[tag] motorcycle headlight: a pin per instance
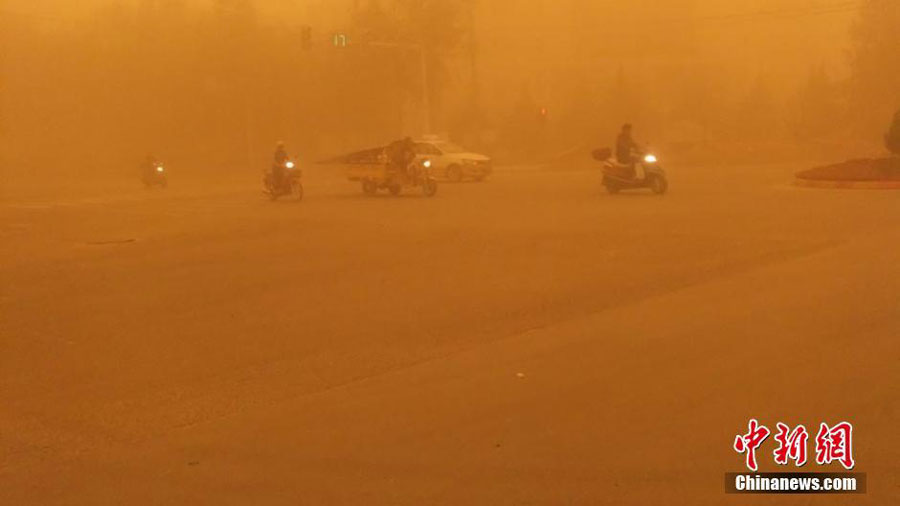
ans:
(289, 165)
(650, 158)
(427, 164)
(159, 169)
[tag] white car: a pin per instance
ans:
(452, 162)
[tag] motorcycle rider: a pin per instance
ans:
(626, 148)
(148, 165)
(400, 154)
(148, 168)
(278, 165)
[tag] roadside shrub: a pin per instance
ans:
(892, 138)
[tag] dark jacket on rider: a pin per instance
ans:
(281, 156)
(278, 162)
(624, 146)
(148, 166)
(401, 154)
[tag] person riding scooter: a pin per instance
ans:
(152, 172)
(620, 171)
(627, 151)
(148, 166)
(278, 165)
(284, 176)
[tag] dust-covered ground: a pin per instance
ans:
(528, 340)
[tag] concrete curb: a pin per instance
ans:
(847, 185)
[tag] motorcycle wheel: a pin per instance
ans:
(395, 189)
(271, 192)
(297, 190)
(429, 187)
(659, 185)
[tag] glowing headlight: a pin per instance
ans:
(650, 159)
(289, 165)
(427, 164)
(159, 169)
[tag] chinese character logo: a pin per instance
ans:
(751, 441)
(791, 445)
(835, 444)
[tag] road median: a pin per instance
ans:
(860, 174)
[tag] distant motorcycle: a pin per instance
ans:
(618, 176)
(290, 184)
(155, 176)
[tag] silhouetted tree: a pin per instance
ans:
(875, 82)
(817, 109)
(757, 115)
(892, 138)
(439, 27)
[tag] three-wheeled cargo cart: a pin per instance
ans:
(372, 170)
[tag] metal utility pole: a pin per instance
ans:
(426, 98)
(423, 63)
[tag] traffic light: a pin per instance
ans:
(340, 40)
(306, 37)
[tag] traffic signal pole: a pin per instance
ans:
(342, 41)
(426, 95)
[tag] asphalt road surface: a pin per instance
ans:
(525, 341)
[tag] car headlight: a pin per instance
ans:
(650, 158)
(427, 164)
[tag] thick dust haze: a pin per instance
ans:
(215, 83)
(534, 304)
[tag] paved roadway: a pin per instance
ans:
(529, 340)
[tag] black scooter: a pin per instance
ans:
(618, 176)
